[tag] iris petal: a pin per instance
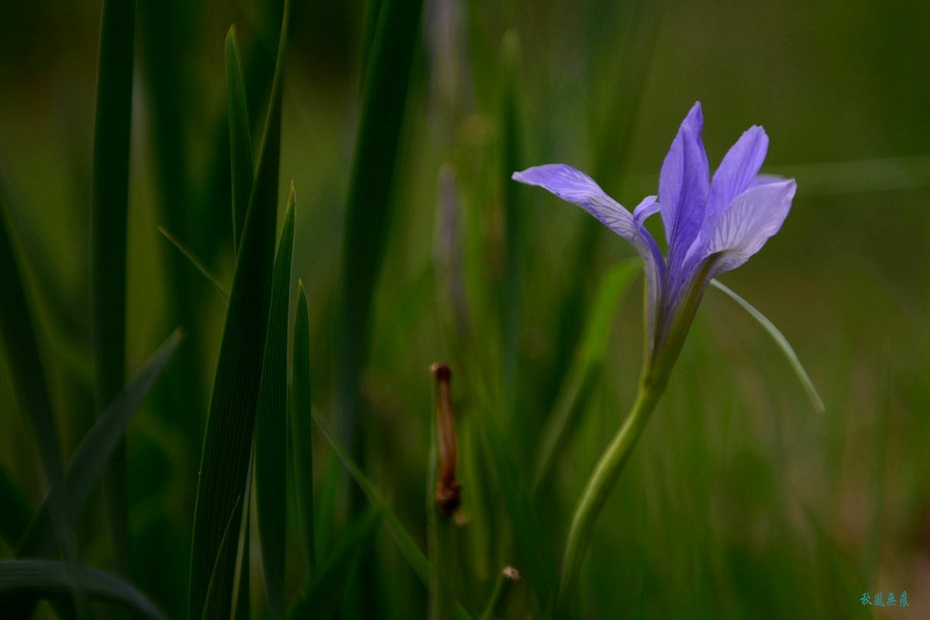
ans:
(738, 169)
(575, 186)
(645, 209)
(748, 222)
(683, 187)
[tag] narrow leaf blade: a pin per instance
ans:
(94, 452)
(240, 140)
(301, 427)
(401, 536)
(199, 266)
(782, 343)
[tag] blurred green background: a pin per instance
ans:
(741, 500)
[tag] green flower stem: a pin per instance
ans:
(671, 331)
(602, 482)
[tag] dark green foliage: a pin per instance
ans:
(227, 446)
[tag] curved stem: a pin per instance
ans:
(602, 482)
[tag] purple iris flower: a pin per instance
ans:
(711, 225)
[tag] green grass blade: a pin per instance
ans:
(271, 425)
(109, 208)
(301, 427)
(94, 452)
(219, 288)
(240, 139)
(782, 343)
(27, 374)
(585, 367)
(384, 96)
(227, 447)
(401, 536)
(326, 588)
(14, 518)
(43, 579)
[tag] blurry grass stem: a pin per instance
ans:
(109, 207)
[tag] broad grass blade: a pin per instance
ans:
(109, 208)
(45, 579)
(227, 448)
(271, 425)
(93, 453)
(240, 139)
(384, 96)
(301, 427)
(782, 343)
